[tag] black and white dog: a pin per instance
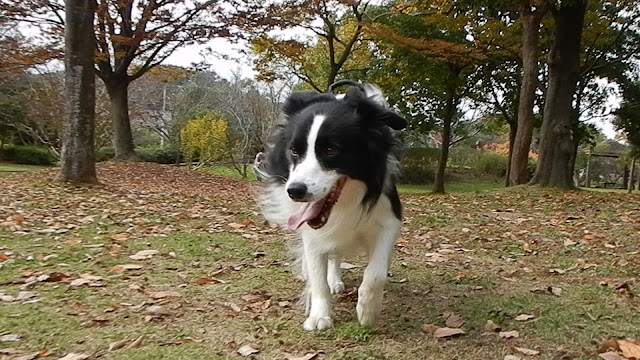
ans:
(330, 176)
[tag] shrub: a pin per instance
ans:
(27, 154)
(492, 164)
(418, 165)
(105, 154)
(157, 154)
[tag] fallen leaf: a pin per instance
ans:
(9, 338)
(454, 321)
(3, 257)
(9, 351)
(528, 352)
(164, 294)
(446, 332)
(79, 282)
(555, 290)
(118, 344)
(429, 328)
(110, 308)
(73, 356)
(512, 357)
(144, 254)
(203, 281)
(308, 356)
(629, 349)
(158, 310)
(509, 334)
(524, 317)
(237, 226)
(119, 269)
(611, 355)
(247, 222)
(28, 357)
(234, 307)
(120, 237)
(490, 326)
(246, 350)
(136, 343)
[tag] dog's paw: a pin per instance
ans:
(337, 288)
(368, 309)
(317, 323)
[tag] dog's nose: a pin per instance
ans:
(297, 191)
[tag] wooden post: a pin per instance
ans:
(587, 182)
(631, 175)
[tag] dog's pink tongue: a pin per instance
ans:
(306, 212)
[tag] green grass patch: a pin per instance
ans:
(228, 171)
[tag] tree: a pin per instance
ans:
(446, 50)
(205, 137)
(627, 117)
(557, 141)
(318, 60)
(530, 16)
(132, 37)
(77, 157)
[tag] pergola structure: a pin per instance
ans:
(615, 156)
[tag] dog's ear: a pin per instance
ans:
(374, 112)
(299, 100)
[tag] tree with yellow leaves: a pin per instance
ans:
(205, 138)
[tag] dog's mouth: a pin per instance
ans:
(316, 213)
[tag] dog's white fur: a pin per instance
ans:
(350, 227)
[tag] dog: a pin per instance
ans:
(330, 178)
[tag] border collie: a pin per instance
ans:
(330, 178)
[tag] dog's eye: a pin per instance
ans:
(294, 152)
(331, 151)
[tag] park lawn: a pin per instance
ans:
(221, 278)
(9, 168)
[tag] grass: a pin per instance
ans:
(8, 168)
(228, 172)
(495, 251)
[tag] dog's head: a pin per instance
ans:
(327, 140)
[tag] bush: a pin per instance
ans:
(157, 154)
(418, 165)
(27, 155)
(492, 164)
(105, 154)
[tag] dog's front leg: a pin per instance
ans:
(320, 296)
(375, 275)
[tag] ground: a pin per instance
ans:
(217, 277)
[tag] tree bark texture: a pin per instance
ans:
(518, 173)
(557, 142)
(77, 155)
(450, 111)
(118, 89)
(513, 130)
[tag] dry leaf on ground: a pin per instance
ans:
(446, 332)
(454, 321)
(611, 355)
(74, 356)
(629, 349)
(308, 356)
(524, 317)
(525, 351)
(492, 327)
(246, 350)
(509, 334)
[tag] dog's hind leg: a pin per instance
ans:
(375, 275)
(319, 292)
(334, 277)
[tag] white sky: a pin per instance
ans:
(236, 62)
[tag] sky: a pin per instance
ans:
(230, 60)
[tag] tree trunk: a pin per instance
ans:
(77, 156)
(513, 129)
(449, 113)
(519, 161)
(632, 169)
(557, 143)
(118, 89)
